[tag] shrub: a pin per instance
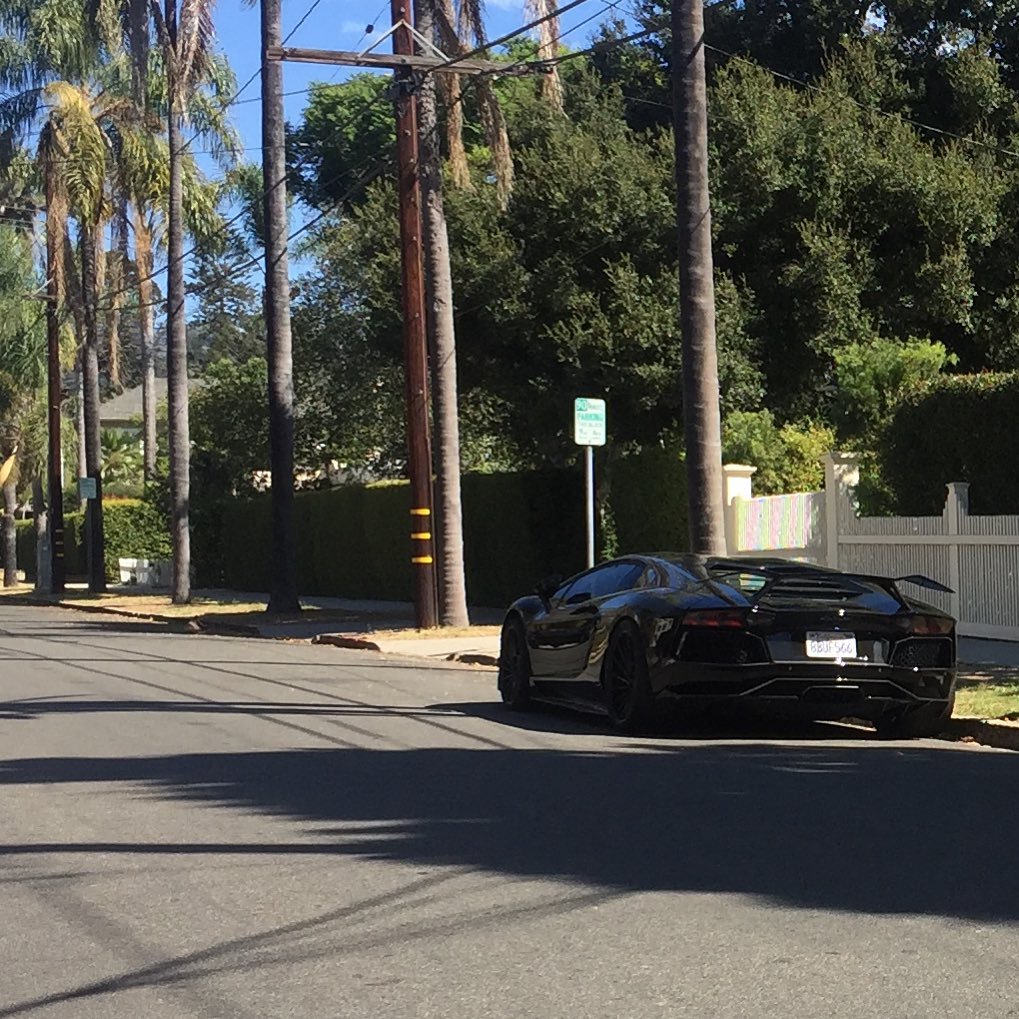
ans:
(960, 428)
(133, 529)
(648, 501)
(788, 458)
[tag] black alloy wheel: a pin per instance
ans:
(514, 666)
(628, 696)
(915, 723)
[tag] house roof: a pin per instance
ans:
(128, 404)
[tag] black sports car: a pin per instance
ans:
(775, 633)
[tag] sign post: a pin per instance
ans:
(589, 431)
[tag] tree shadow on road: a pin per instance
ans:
(868, 827)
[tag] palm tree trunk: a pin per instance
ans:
(40, 515)
(701, 423)
(143, 264)
(283, 573)
(79, 418)
(117, 269)
(177, 367)
(10, 535)
(439, 293)
(89, 239)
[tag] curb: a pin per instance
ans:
(473, 658)
(181, 623)
(986, 732)
(338, 640)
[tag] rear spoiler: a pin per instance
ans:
(922, 581)
(776, 570)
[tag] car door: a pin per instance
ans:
(561, 641)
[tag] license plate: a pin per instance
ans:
(821, 644)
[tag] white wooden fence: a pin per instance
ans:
(976, 556)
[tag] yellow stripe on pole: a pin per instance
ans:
(422, 536)
(422, 511)
(423, 560)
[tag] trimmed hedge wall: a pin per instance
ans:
(961, 428)
(74, 545)
(354, 541)
(133, 528)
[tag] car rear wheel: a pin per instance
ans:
(914, 723)
(628, 696)
(514, 666)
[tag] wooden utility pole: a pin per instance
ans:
(419, 439)
(701, 422)
(404, 62)
(283, 593)
(54, 396)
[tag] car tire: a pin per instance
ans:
(915, 723)
(629, 699)
(514, 666)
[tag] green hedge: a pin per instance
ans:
(74, 546)
(354, 541)
(961, 428)
(648, 502)
(132, 528)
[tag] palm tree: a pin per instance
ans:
(53, 48)
(701, 422)
(122, 462)
(442, 331)
(184, 30)
(23, 357)
(143, 178)
(436, 20)
(75, 150)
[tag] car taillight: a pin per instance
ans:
(729, 619)
(930, 626)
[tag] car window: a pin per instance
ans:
(603, 581)
(745, 583)
(656, 575)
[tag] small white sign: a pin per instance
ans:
(86, 488)
(588, 421)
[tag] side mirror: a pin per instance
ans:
(548, 587)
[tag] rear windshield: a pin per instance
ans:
(800, 585)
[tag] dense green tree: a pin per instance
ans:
(864, 228)
(568, 291)
(227, 323)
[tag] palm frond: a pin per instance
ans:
(497, 137)
(19, 112)
(548, 48)
(471, 22)
(459, 170)
(194, 44)
(84, 148)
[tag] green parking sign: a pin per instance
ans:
(588, 421)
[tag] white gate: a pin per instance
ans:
(976, 556)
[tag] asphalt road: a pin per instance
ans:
(199, 826)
